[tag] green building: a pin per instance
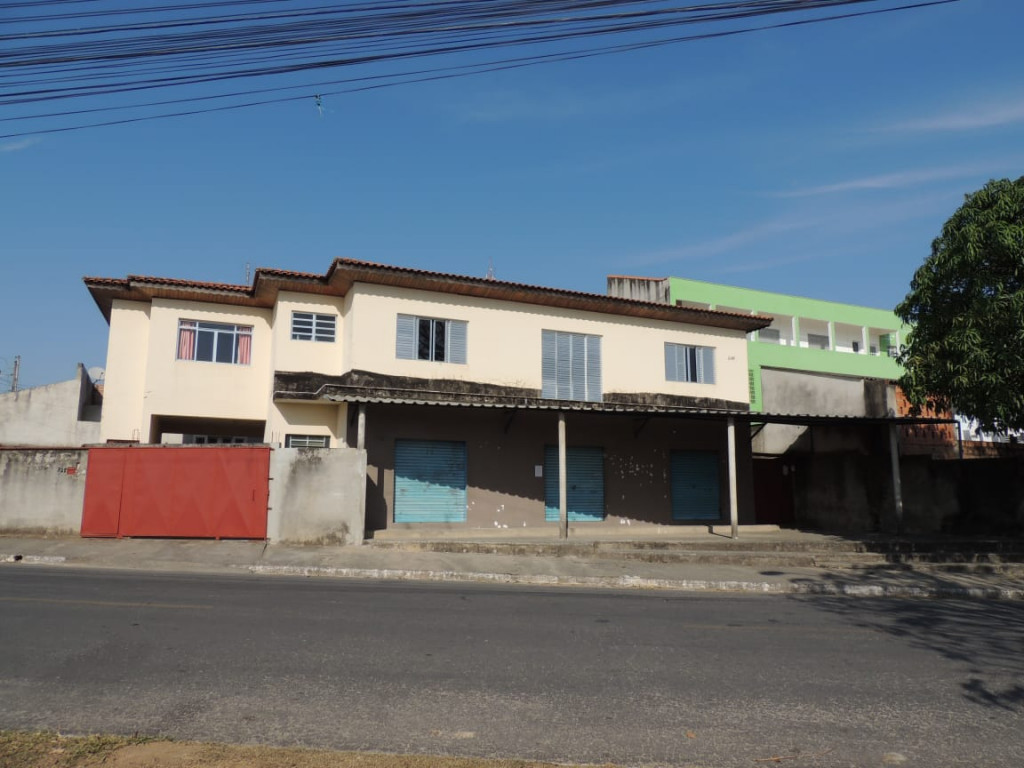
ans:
(807, 335)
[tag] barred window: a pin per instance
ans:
(307, 441)
(307, 326)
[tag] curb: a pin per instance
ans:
(637, 582)
(38, 559)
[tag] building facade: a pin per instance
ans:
(480, 403)
(806, 335)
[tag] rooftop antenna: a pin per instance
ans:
(14, 376)
(490, 268)
(248, 272)
(319, 104)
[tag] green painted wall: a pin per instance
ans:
(763, 354)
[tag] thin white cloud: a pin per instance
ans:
(727, 243)
(804, 228)
(17, 146)
(968, 118)
(902, 179)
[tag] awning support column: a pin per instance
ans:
(361, 427)
(734, 506)
(897, 485)
(563, 496)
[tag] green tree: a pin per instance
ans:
(966, 308)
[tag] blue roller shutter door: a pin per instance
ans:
(695, 485)
(430, 481)
(584, 480)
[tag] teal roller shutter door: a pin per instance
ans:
(430, 481)
(585, 481)
(695, 485)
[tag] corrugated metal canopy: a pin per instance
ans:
(648, 410)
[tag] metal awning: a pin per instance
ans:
(640, 409)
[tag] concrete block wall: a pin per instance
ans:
(852, 493)
(54, 415)
(42, 490)
(317, 496)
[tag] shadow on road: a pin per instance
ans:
(985, 636)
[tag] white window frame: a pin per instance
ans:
(445, 343)
(312, 326)
(689, 363)
(229, 337)
(307, 441)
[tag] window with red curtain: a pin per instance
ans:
(214, 342)
(186, 339)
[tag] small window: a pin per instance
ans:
(769, 335)
(430, 338)
(307, 441)
(689, 363)
(214, 342)
(307, 326)
(855, 345)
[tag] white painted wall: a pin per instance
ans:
(205, 389)
(300, 418)
(144, 378)
(124, 386)
(307, 356)
(504, 343)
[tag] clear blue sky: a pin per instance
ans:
(819, 161)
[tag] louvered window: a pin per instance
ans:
(689, 363)
(570, 366)
(430, 338)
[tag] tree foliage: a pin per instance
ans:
(966, 308)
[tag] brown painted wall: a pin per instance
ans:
(503, 449)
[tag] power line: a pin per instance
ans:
(126, 58)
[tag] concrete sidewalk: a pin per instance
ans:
(579, 569)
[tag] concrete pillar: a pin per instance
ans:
(563, 495)
(796, 331)
(832, 335)
(865, 335)
(897, 485)
(734, 506)
(361, 427)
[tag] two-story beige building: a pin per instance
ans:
(471, 396)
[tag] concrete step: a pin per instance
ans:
(804, 551)
(737, 553)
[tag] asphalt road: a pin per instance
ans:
(715, 681)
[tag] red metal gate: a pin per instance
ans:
(177, 492)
